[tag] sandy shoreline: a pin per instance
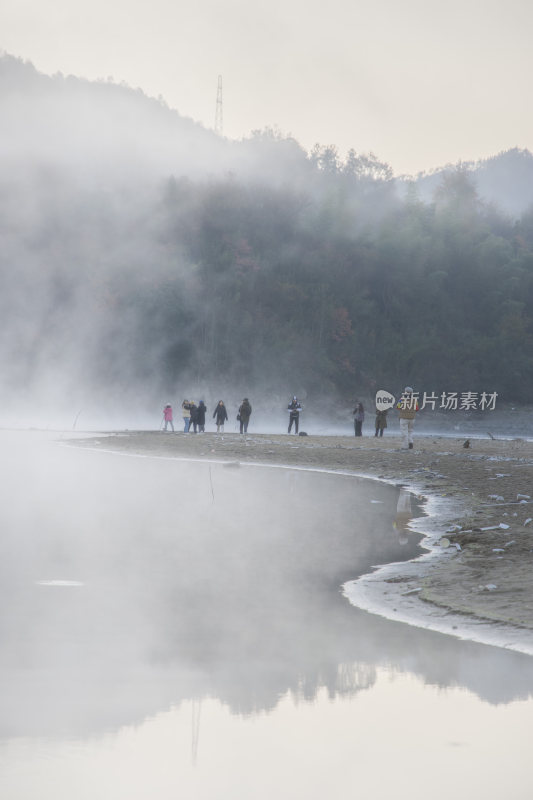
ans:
(482, 591)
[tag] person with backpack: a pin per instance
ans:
(245, 412)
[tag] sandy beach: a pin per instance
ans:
(475, 579)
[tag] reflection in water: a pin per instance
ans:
(404, 514)
(132, 586)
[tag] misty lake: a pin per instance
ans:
(176, 629)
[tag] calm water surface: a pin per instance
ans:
(173, 630)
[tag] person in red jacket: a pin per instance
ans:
(167, 415)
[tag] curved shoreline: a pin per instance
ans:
(395, 591)
(443, 589)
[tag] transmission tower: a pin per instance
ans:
(219, 127)
(196, 709)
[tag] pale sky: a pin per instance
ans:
(420, 83)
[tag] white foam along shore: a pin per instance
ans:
(392, 590)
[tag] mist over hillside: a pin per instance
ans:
(144, 258)
(505, 180)
(101, 133)
(96, 127)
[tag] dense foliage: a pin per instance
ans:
(295, 287)
(340, 289)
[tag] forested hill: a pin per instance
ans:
(261, 269)
(505, 180)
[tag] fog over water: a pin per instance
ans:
(179, 629)
(158, 605)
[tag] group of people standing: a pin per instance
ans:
(359, 418)
(407, 408)
(194, 416)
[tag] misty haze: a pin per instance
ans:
(143, 256)
(134, 589)
(176, 615)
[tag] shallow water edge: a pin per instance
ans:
(393, 591)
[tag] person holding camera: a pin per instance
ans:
(294, 409)
(186, 413)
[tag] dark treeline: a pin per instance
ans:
(340, 290)
(252, 285)
(287, 285)
(289, 271)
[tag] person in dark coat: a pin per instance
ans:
(381, 422)
(221, 415)
(194, 417)
(245, 412)
(358, 418)
(200, 416)
(294, 409)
